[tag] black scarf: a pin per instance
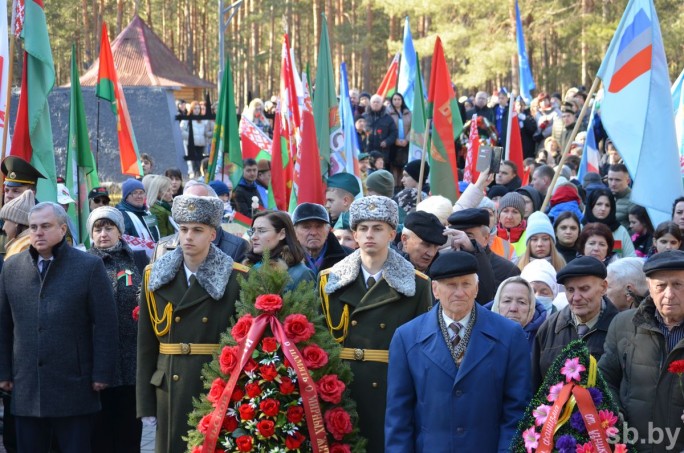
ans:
(611, 221)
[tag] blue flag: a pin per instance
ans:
(350, 155)
(637, 110)
(524, 72)
(407, 67)
(678, 104)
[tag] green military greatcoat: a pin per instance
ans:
(168, 380)
(364, 321)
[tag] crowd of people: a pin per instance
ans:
(450, 314)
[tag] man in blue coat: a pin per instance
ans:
(459, 376)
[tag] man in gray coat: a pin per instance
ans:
(58, 336)
(641, 345)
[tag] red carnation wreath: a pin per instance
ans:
(277, 383)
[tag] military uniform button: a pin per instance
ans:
(175, 377)
(205, 320)
(383, 325)
(177, 318)
(374, 385)
(354, 322)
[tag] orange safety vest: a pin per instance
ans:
(502, 248)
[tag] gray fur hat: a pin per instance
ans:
(376, 208)
(194, 209)
(106, 212)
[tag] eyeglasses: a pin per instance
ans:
(137, 193)
(100, 200)
(259, 231)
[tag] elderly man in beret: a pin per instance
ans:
(187, 300)
(421, 239)
(312, 227)
(641, 345)
(474, 223)
(365, 297)
(459, 376)
(587, 315)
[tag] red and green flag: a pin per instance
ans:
(307, 181)
(325, 105)
(446, 124)
(81, 172)
(32, 138)
(226, 140)
(109, 89)
(389, 83)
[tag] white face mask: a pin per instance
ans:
(546, 301)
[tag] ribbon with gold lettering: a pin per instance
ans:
(591, 419)
(307, 387)
(548, 430)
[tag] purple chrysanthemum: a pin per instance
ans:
(596, 395)
(577, 422)
(566, 444)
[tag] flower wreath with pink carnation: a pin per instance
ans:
(277, 383)
(573, 410)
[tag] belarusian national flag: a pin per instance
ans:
(255, 143)
(389, 83)
(109, 88)
(443, 110)
(32, 131)
(81, 172)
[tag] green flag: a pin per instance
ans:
(327, 119)
(81, 172)
(226, 140)
(418, 117)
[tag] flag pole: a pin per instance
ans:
(9, 97)
(97, 136)
(564, 156)
(423, 156)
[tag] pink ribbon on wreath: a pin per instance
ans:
(307, 387)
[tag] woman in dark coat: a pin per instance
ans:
(116, 427)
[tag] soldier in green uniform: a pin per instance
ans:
(187, 300)
(20, 176)
(365, 298)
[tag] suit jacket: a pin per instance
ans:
(57, 336)
(435, 406)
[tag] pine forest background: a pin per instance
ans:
(566, 39)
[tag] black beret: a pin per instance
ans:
(469, 218)
(580, 267)
(453, 264)
(672, 260)
(427, 226)
(310, 211)
(497, 191)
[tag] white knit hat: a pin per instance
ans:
(541, 271)
(17, 210)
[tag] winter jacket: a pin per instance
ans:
(162, 211)
(145, 227)
(635, 366)
(242, 196)
(125, 278)
(381, 128)
(558, 330)
(334, 253)
(622, 207)
(501, 267)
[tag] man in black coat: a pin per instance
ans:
(475, 224)
(382, 131)
(58, 335)
(246, 189)
(312, 226)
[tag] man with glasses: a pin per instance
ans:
(98, 197)
(58, 334)
(138, 221)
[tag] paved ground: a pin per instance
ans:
(146, 445)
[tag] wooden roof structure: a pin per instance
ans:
(142, 59)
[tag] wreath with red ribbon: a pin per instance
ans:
(277, 383)
(573, 411)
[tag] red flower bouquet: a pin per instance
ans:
(277, 383)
